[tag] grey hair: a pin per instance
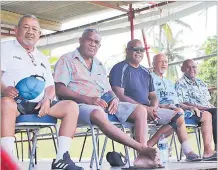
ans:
(90, 30)
(154, 58)
(26, 16)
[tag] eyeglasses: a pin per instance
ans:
(32, 58)
(137, 49)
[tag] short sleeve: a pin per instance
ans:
(5, 55)
(49, 79)
(115, 77)
(62, 71)
(151, 84)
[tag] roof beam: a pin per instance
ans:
(13, 18)
(71, 37)
(105, 4)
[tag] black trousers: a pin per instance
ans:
(213, 111)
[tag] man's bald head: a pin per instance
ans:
(135, 52)
(189, 68)
(133, 42)
(187, 62)
(160, 64)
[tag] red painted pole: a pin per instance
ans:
(146, 47)
(131, 17)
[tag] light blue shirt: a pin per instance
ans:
(165, 90)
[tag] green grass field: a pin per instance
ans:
(45, 148)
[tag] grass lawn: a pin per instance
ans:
(45, 148)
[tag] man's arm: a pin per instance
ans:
(120, 94)
(3, 86)
(66, 93)
(153, 99)
(197, 106)
(8, 91)
(49, 92)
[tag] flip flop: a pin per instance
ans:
(192, 158)
(211, 158)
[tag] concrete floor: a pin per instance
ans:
(173, 165)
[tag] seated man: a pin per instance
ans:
(194, 92)
(79, 76)
(133, 83)
(167, 95)
(21, 59)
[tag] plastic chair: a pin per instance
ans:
(33, 123)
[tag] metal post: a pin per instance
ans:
(131, 16)
(146, 47)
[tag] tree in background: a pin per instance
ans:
(172, 45)
(208, 68)
(52, 59)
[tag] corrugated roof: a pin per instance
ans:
(57, 11)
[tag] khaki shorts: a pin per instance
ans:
(125, 109)
(165, 116)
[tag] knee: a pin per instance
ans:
(70, 107)
(180, 120)
(206, 116)
(8, 101)
(179, 110)
(141, 112)
(177, 121)
(97, 114)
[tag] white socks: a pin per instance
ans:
(186, 147)
(8, 144)
(63, 146)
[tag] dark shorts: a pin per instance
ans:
(194, 120)
(27, 107)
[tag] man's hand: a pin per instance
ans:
(44, 106)
(196, 110)
(98, 102)
(152, 113)
(112, 109)
(10, 92)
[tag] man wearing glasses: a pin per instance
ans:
(21, 59)
(81, 77)
(133, 83)
(194, 92)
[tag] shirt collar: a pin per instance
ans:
(18, 44)
(189, 81)
(81, 59)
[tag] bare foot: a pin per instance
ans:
(152, 153)
(145, 162)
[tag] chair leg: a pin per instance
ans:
(29, 142)
(84, 142)
(16, 147)
(94, 141)
(126, 148)
(198, 143)
(174, 139)
(103, 150)
(31, 164)
(132, 136)
(199, 136)
(93, 153)
(21, 135)
(53, 138)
